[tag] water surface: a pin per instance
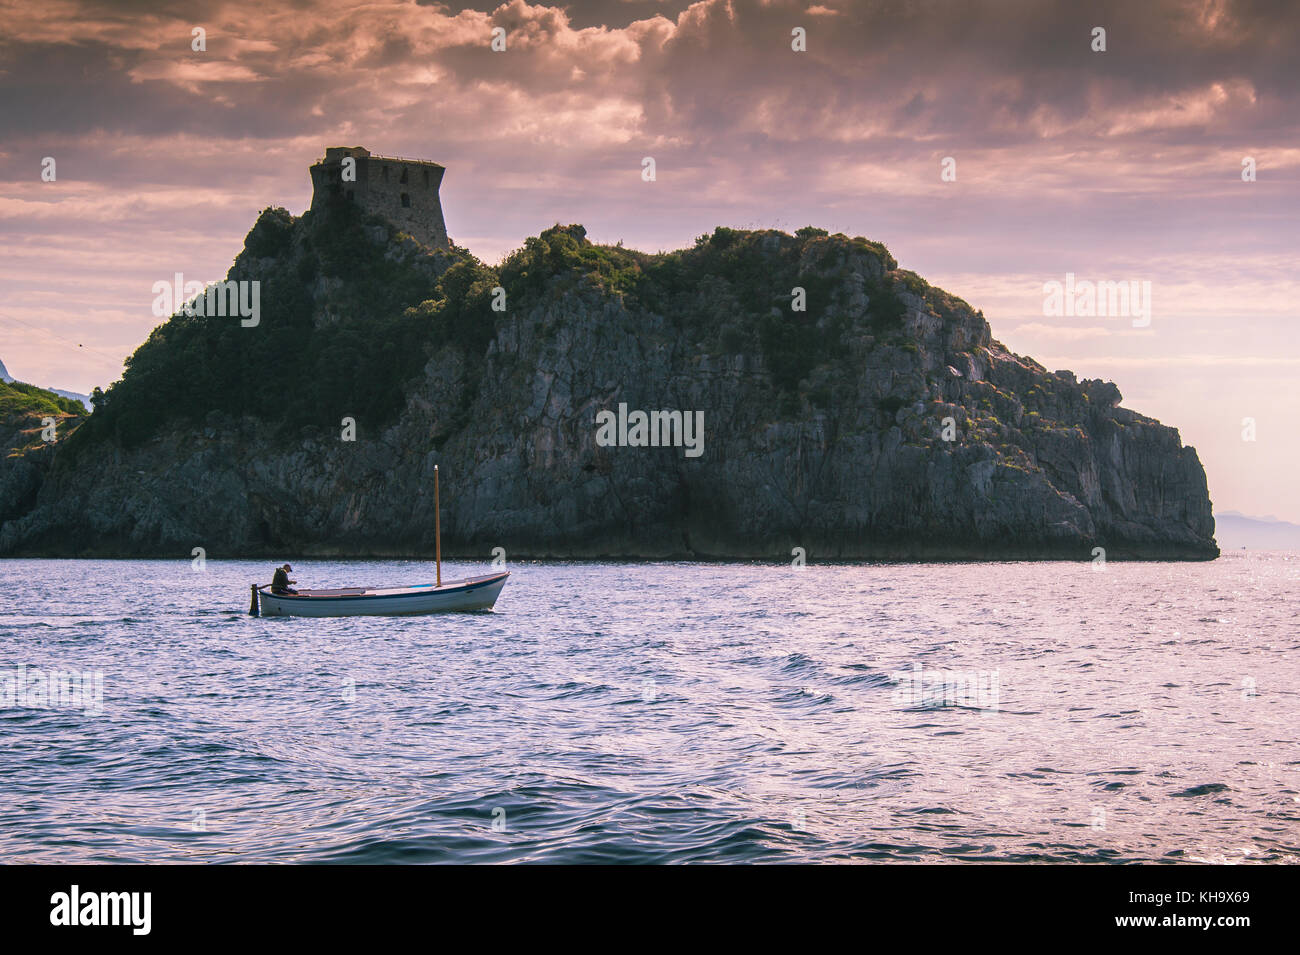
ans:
(662, 713)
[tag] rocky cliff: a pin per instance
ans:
(848, 408)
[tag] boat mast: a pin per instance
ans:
(437, 527)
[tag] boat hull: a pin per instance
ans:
(474, 593)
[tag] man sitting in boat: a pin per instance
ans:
(280, 582)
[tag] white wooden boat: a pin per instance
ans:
(472, 593)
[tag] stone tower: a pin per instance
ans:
(403, 191)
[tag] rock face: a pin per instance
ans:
(881, 421)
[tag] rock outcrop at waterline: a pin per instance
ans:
(882, 421)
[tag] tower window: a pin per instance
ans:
(403, 179)
(406, 200)
(426, 179)
(385, 168)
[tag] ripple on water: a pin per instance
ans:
(635, 713)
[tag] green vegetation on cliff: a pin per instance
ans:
(23, 409)
(733, 293)
(298, 366)
(19, 399)
(393, 304)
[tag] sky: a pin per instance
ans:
(991, 146)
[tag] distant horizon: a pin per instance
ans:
(1126, 165)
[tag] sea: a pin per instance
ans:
(656, 713)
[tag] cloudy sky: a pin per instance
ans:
(1122, 165)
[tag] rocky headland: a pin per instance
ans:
(880, 420)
